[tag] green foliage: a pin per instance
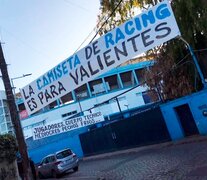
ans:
(124, 11)
(8, 148)
(191, 16)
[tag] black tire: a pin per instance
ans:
(54, 174)
(40, 175)
(75, 168)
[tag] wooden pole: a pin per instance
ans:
(15, 118)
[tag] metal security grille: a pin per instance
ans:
(142, 129)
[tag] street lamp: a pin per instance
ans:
(19, 77)
(13, 87)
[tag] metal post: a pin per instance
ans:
(81, 110)
(14, 93)
(159, 93)
(119, 107)
(195, 61)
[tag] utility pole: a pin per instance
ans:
(15, 117)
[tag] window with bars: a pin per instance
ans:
(140, 75)
(150, 96)
(66, 98)
(128, 79)
(112, 82)
(82, 92)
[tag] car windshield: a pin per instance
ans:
(63, 154)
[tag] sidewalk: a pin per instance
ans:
(192, 139)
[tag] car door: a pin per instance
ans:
(51, 164)
(43, 167)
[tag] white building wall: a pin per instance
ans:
(127, 101)
(5, 119)
(2, 95)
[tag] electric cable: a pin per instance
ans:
(77, 5)
(106, 20)
(200, 50)
(178, 64)
(99, 28)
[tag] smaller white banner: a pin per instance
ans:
(66, 125)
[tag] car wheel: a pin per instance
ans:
(54, 174)
(75, 168)
(40, 175)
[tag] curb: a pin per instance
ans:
(188, 140)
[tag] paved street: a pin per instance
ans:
(184, 160)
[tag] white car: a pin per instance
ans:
(55, 164)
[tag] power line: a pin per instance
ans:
(200, 50)
(106, 20)
(25, 43)
(99, 28)
(77, 5)
(84, 40)
(182, 59)
(143, 83)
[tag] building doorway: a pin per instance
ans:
(186, 120)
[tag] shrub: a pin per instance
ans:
(8, 148)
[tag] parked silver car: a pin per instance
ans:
(55, 164)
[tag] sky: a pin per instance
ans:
(36, 35)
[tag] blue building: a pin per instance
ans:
(186, 116)
(176, 119)
(85, 99)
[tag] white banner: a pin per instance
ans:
(135, 36)
(66, 125)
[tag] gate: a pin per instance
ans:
(142, 129)
(186, 120)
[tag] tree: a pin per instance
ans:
(191, 17)
(120, 11)
(182, 79)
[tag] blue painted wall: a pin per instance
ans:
(40, 148)
(197, 103)
(172, 123)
